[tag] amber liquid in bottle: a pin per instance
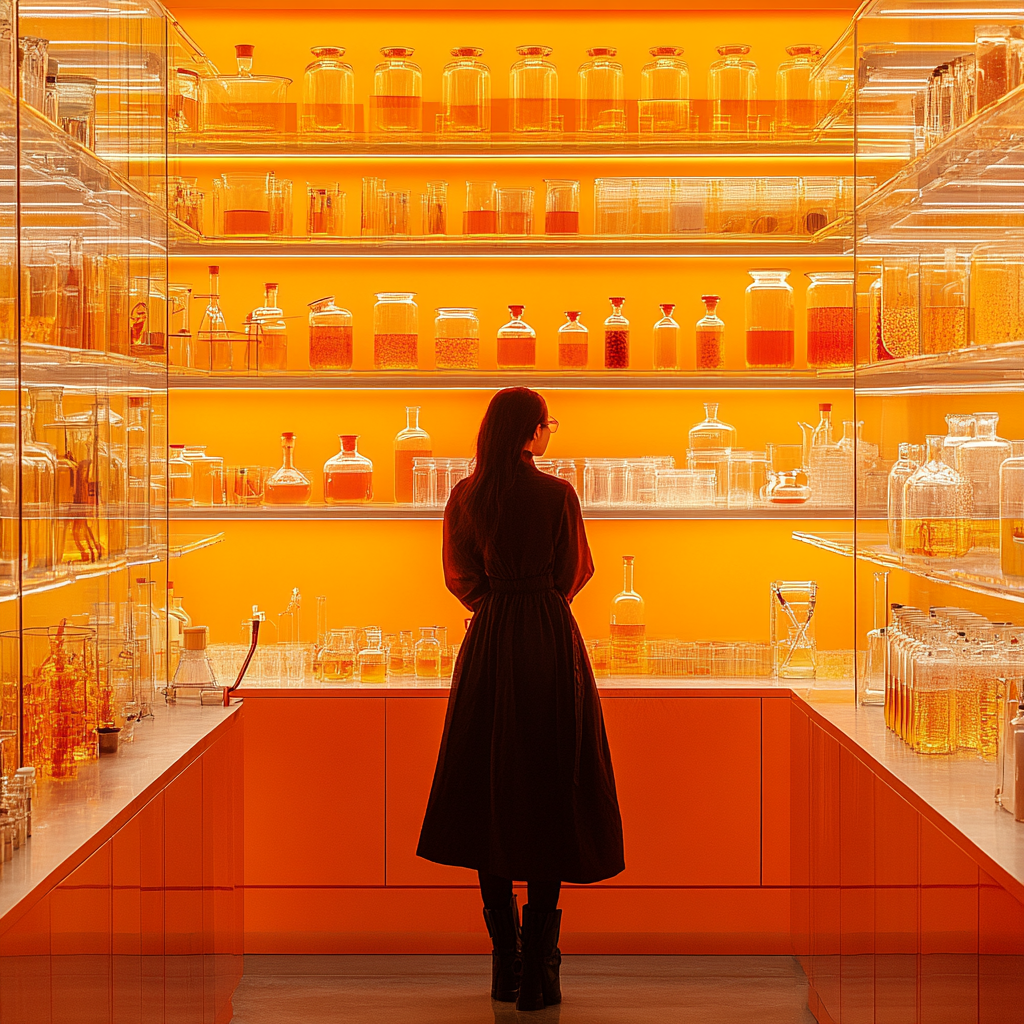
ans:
(517, 353)
(286, 493)
(936, 537)
(932, 721)
(330, 348)
(770, 348)
(338, 668)
(343, 487)
(1012, 547)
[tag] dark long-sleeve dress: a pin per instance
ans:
(523, 787)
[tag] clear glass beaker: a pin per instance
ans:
(456, 338)
(252, 205)
(76, 107)
(180, 488)
(325, 210)
(732, 90)
(664, 107)
(830, 319)
(602, 93)
(533, 88)
(329, 92)
(348, 476)
(561, 206)
(183, 101)
(244, 102)
(395, 331)
(330, 336)
(770, 319)
(480, 216)
(434, 202)
(397, 91)
(573, 342)
(466, 93)
(794, 643)
(795, 109)
(517, 343)
(515, 211)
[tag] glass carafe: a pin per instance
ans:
(287, 485)
(533, 88)
(1011, 513)
(666, 339)
(397, 91)
(770, 319)
(268, 333)
(795, 112)
(428, 654)
(616, 337)
(373, 659)
(936, 508)
(710, 338)
(329, 92)
(602, 93)
(244, 102)
(395, 331)
(411, 443)
(830, 320)
(628, 626)
(330, 336)
(573, 342)
(978, 461)
(456, 338)
(959, 430)
(348, 477)
(732, 90)
(665, 92)
(218, 350)
(517, 343)
(466, 93)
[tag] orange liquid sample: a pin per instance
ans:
(534, 115)
(517, 353)
(348, 487)
(710, 350)
(572, 356)
(403, 471)
(330, 348)
(246, 222)
(480, 222)
(770, 348)
(398, 113)
(830, 336)
(562, 222)
(287, 493)
(395, 351)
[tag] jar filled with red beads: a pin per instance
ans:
(616, 338)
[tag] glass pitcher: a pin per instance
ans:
(602, 93)
(329, 92)
(573, 342)
(665, 92)
(466, 93)
(348, 476)
(628, 626)
(411, 443)
(517, 343)
(533, 88)
(732, 89)
(330, 336)
(397, 91)
(287, 485)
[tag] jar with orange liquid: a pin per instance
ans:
(573, 339)
(517, 343)
(287, 485)
(348, 477)
(395, 331)
(330, 336)
(770, 320)
(397, 91)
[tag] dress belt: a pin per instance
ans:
(522, 584)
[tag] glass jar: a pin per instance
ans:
(76, 107)
(959, 430)
(338, 660)
(33, 56)
(533, 88)
(179, 477)
(428, 654)
(183, 101)
(329, 92)
(616, 337)
(978, 461)
(330, 336)
(348, 477)
(830, 320)
(936, 508)
(710, 336)
(943, 303)
(373, 659)
(901, 328)
(287, 485)
(254, 206)
(267, 332)
(411, 443)
(665, 92)
(711, 432)
(911, 456)
(207, 476)
(732, 89)
(602, 93)
(573, 342)
(397, 91)
(480, 216)
(627, 626)
(561, 206)
(991, 49)
(517, 343)
(456, 338)
(770, 319)
(244, 102)
(1011, 513)
(666, 339)
(795, 112)
(466, 93)
(395, 331)
(997, 294)
(401, 655)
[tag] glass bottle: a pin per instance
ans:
(428, 654)
(401, 656)
(627, 626)
(573, 342)
(959, 430)
(348, 476)
(395, 331)
(830, 320)
(517, 343)
(329, 92)
(215, 350)
(287, 485)
(903, 469)
(602, 93)
(179, 477)
(338, 661)
(978, 461)
(711, 432)
(456, 338)
(330, 336)
(795, 111)
(411, 443)
(770, 319)
(710, 336)
(732, 89)
(373, 659)
(666, 339)
(267, 333)
(665, 92)
(533, 88)
(936, 508)
(466, 93)
(1011, 513)
(616, 337)
(397, 91)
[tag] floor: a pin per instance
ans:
(455, 990)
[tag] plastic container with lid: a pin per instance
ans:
(602, 93)
(465, 93)
(533, 88)
(244, 102)
(330, 336)
(397, 91)
(329, 92)
(664, 107)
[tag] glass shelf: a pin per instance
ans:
(978, 572)
(971, 10)
(81, 369)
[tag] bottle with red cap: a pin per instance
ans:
(517, 343)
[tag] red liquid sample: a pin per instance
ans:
(710, 350)
(346, 487)
(287, 493)
(571, 357)
(616, 350)
(830, 336)
(246, 222)
(562, 222)
(480, 222)
(517, 353)
(395, 351)
(515, 223)
(403, 472)
(770, 349)
(330, 348)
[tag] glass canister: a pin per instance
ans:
(1011, 513)
(665, 92)
(480, 216)
(602, 93)
(456, 338)
(411, 444)
(901, 324)
(207, 475)
(561, 206)
(732, 90)
(943, 303)
(466, 93)
(517, 343)
(395, 331)
(997, 294)
(992, 50)
(244, 102)
(616, 337)
(330, 336)
(251, 205)
(427, 654)
(183, 101)
(76, 107)
(710, 336)
(329, 103)
(533, 88)
(267, 332)
(348, 477)
(770, 319)
(287, 485)
(830, 320)
(795, 112)
(397, 91)
(666, 339)
(978, 461)
(936, 508)
(573, 342)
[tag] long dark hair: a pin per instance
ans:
(507, 427)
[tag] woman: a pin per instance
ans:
(523, 787)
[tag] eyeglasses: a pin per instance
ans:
(552, 426)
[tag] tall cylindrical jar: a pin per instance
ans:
(466, 93)
(330, 336)
(602, 93)
(732, 90)
(830, 319)
(795, 112)
(664, 107)
(456, 338)
(395, 331)
(770, 320)
(533, 88)
(329, 92)
(397, 91)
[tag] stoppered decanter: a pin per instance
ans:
(287, 485)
